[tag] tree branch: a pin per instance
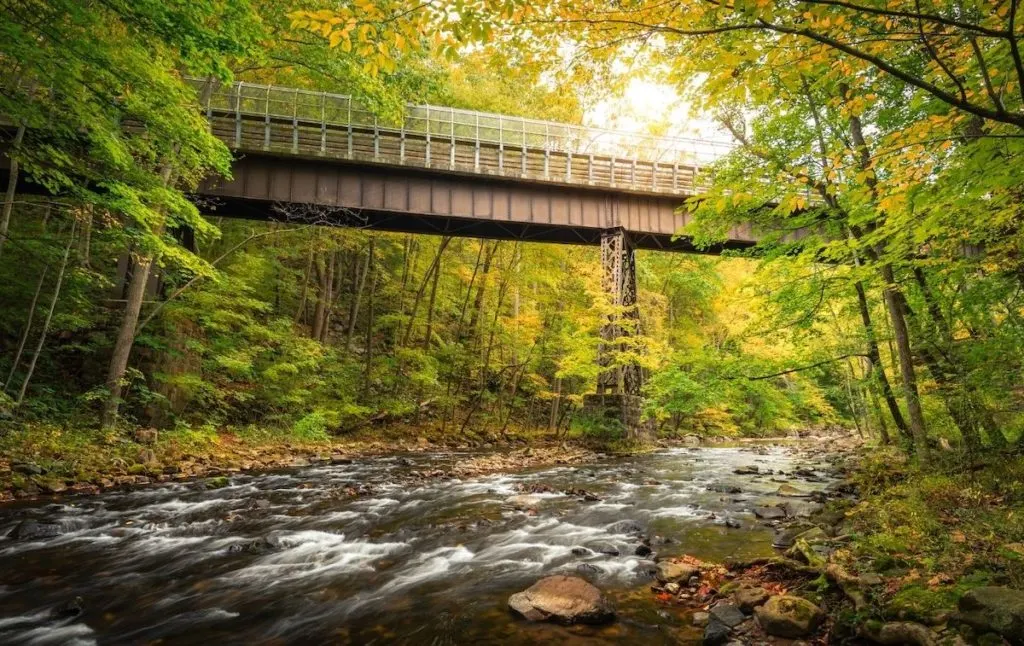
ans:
(801, 368)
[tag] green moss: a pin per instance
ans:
(217, 482)
(136, 469)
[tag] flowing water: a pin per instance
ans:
(294, 558)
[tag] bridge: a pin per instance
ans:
(322, 157)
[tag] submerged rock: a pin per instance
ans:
(562, 599)
(792, 617)
(260, 545)
(523, 502)
(997, 609)
(31, 529)
(724, 488)
(769, 513)
(791, 491)
(626, 527)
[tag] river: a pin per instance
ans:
(295, 558)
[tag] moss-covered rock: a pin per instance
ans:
(787, 616)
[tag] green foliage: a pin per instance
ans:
(312, 427)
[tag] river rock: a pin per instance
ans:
(562, 599)
(728, 614)
(70, 609)
(671, 572)
(792, 617)
(769, 513)
(625, 527)
(800, 508)
(523, 502)
(901, 633)
(715, 633)
(790, 491)
(724, 488)
(690, 440)
(261, 545)
(746, 471)
(748, 597)
(700, 619)
(785, 538)
(31, 529)
(996, 609)
(642, 550)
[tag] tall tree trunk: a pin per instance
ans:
(49, 316)
(28, 328)
(353, 314)
(328, 296)
(12, 187)
(877, 367)
(300, 311)
(430, 304)
(125, 339)
(896, 307)
(85, 240)
(973, 411)
(434, 267)
(478, 302)
(553, 417)
(321, 301)
(369, 323)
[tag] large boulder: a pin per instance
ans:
(786, 616)
(672, 572)
(562, 599)
(996, 609)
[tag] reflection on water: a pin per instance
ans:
(292, 558)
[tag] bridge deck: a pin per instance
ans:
(267, 119)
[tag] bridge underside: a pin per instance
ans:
(409, 200)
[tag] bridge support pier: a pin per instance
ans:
(619, 381)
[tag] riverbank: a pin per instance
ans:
(42, 460)
(927, 558)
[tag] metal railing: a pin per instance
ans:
(295, 116)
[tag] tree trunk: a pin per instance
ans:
(318, 312)
(553, 418)
(877, 368)
(328, 296)
(85, 240)
(353, 314)
(430, 304)
(478, 302)
(49, 317)
(300, 311)
(28, 328)
(434, 267)
(369, 323)
(12, 186)
(897, 315)
(125, 340)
